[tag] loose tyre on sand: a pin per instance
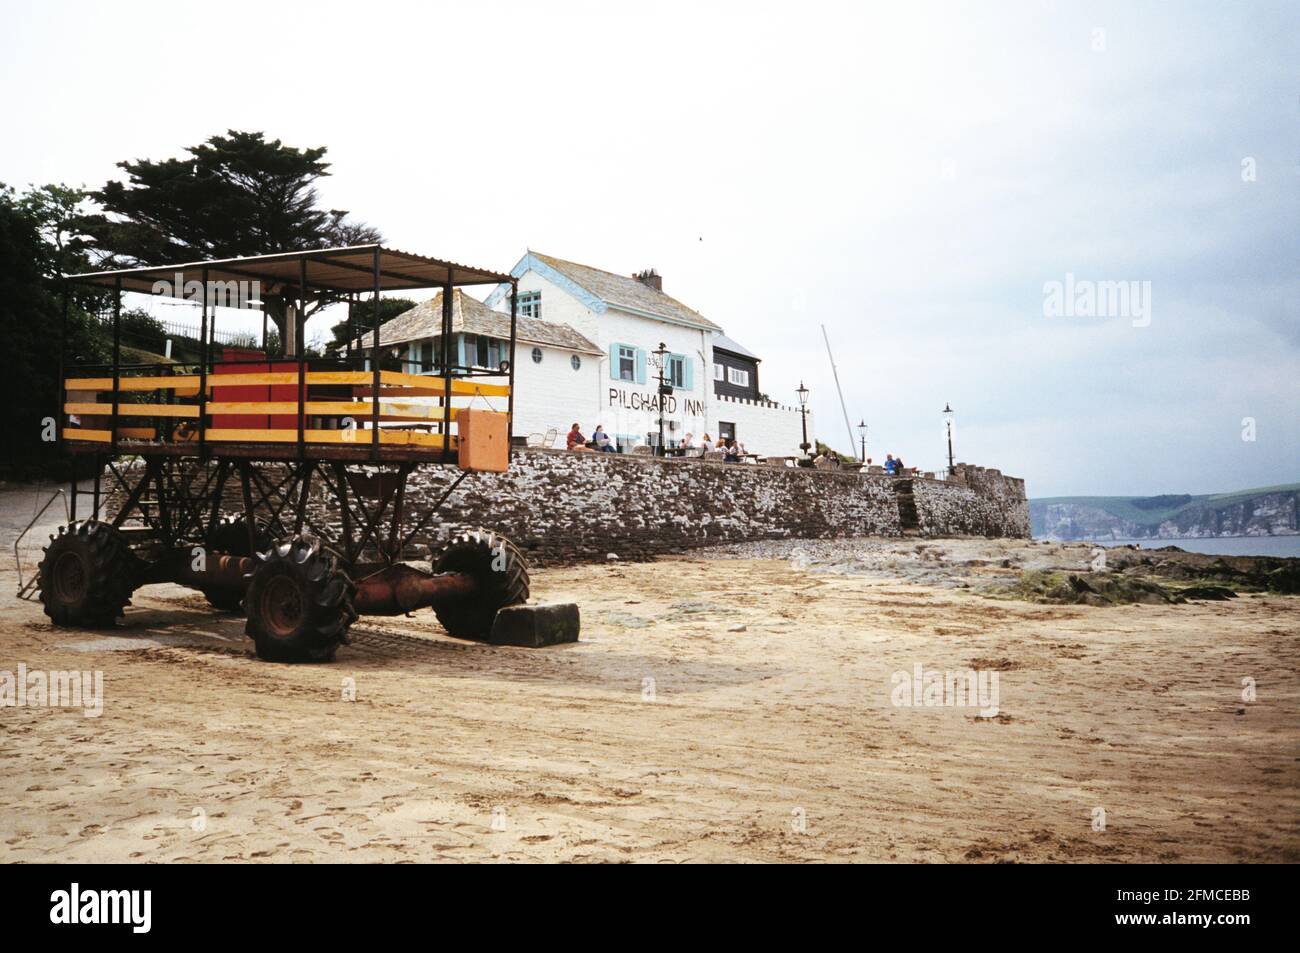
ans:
(501, 572)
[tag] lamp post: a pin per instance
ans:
(862, 429)
(803, 411)
(947, 416)
(657, 359)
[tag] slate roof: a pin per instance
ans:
(723, 343)
(624, 291)
(471, 316)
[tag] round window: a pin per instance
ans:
(537, 355)
(576, 362)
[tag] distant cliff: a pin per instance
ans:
(1267, 511)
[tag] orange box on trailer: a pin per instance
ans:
(482, 440)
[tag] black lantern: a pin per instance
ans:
(803, 412)
(658, 358)
(862, 429)
(947, 416)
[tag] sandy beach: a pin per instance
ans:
(716, 709)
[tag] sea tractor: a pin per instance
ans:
(276, 484)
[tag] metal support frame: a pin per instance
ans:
(510, 400)
(117, 357)
(447, 291)
(433, 510)
(300, 323)
(304, 494)
(205, 354)
(223, 470)
(374, 367)
(99, 469)
(250, 524)
(60, 394)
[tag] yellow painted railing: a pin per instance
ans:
(393, 384)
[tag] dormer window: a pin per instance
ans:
(530, 304)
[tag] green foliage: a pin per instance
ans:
(237, 194)
(31, 314)
(142, 330)
(821, 449)
(233, 195)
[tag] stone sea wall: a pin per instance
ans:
(978, 502)
(563, 507)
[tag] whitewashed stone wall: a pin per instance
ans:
(774, 430)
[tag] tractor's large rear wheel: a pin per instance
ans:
(87, 575)
(501, 574)
(230, 538)
(299, 603)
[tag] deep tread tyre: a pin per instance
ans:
(502, 575)
(87, 575)
(299, 602)
(230, 538)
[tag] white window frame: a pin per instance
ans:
(529, 305)
(627, 353)
(675, 369)
(737, 376)
(719, 371)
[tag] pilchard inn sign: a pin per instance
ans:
(637, 400)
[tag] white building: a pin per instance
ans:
(628, 317)
(586, 352)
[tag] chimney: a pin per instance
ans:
(651, 279)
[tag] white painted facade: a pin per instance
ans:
(550, 384)
(601, 393)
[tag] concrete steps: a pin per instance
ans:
(907, 515)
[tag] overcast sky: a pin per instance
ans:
(910, 175)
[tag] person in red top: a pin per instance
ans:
(575, 437)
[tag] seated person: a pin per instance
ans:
(890, 466)
(600, 441)
(574, 437)
(706, 443)
(731, 451)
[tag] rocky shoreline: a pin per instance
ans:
(1044, 571)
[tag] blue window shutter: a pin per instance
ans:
(688, 373)
(640, 365)
(613, 362)
(460, 349)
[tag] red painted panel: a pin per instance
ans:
(239, 392)
(285, 392)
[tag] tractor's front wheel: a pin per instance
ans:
(87, 575)
(501, 572)
(299, 603)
